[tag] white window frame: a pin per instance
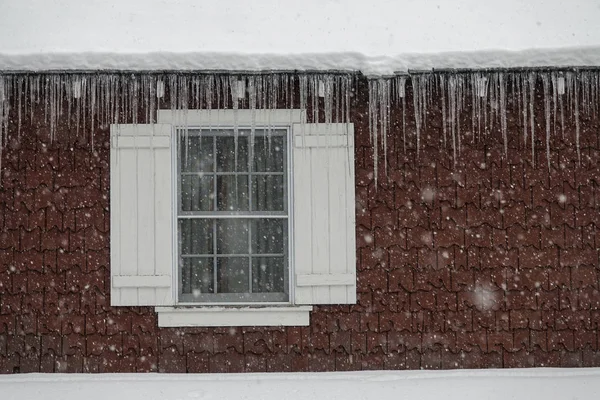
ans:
(186, 314)
(226, 123)
(321, 186)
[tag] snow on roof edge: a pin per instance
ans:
(316, 62)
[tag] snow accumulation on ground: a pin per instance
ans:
(377, 37)
(515, 384)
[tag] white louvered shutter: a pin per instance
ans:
(324, 214)
(141, 210)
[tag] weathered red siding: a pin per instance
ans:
(475, 266)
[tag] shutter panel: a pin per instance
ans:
(324, 214)
(141, 245)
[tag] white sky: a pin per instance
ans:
(370, 27)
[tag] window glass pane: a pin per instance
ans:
(199, 155)
(197, 192)
(267, 193)
(225, 257)
(269, 236)
(233, 275)
(232, 192)
(196, 236)
(268, 275)
(226, 154)
(197, 275)
(269, 153)
(232, 236)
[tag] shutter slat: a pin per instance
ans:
(145, 221)
(141, 281)
(335, 279)
(321, 141)
(321, 231)
(141, 215)
(127, 167)
(350, 203)
(302, 226)
(338, 257)
(143, 142)
(324, 253)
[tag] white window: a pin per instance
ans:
(232, 217)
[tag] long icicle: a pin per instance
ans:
(547, 111)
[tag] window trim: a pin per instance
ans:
(236, 314)
(232, 316)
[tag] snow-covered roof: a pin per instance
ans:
(375, 36)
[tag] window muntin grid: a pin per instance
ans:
(233, 215)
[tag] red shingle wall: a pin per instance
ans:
(492, 263)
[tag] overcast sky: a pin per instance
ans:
(372, 27)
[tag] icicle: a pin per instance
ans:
(70, 93)
(33, 94)
(93, 102)
(442, 85)
(337, 98)
(547, 111)
(384, 114)
(493, 95)
(401, 97)
(234, 88)
(3, 114)
(460, 103)
(595, 98)
(19, 92)
(476, 105)
(481, 87)
(54, 105)
(524, 107)
(347, 83)
(532, 79)
(571, 89)
(313, 87)
(3, 119)
(209, 82)
(585, 90)
(416, 86)
(502, 100)
(424, 100)
(453, 107)
(252, 99)
(373, 97)
(560, 89)
(85, 102)
(328, 91)
(575, 85)
(553, 79)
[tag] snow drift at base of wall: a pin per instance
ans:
(581, 383)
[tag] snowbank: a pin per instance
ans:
(580, 383)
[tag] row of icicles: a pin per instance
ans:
(107, 98)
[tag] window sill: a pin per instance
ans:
(178, 317)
